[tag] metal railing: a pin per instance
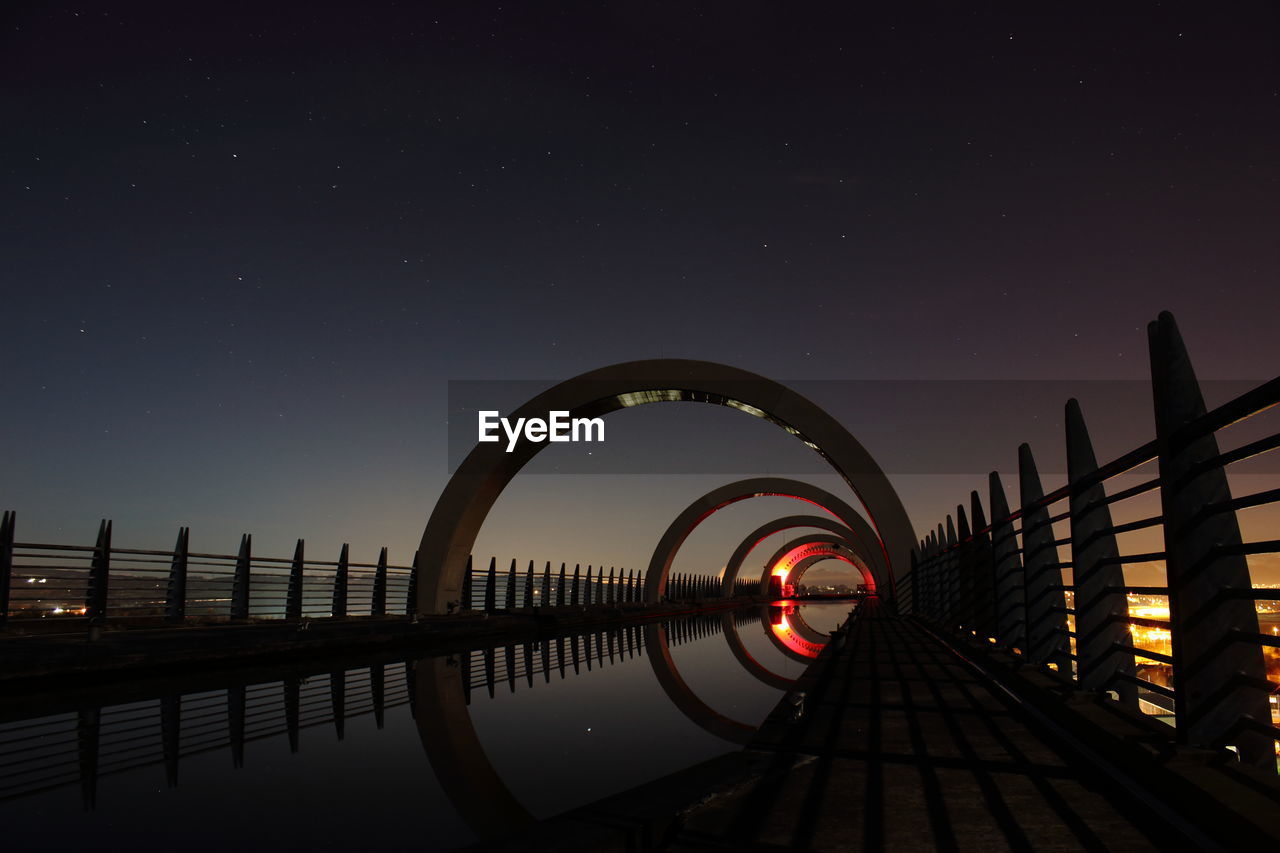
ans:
(48, 585)
(1190, 651)
(103, 584)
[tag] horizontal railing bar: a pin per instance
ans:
(1140, 524)
(1260, 639)
(1149, 557)
(1231, 412)
(1140, 652)
(1134, 491)
(1148, 685)
(1145, 622)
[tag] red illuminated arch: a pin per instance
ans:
(790, 522)
(795, 557)
(717, 499)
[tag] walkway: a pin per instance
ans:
(904, 746)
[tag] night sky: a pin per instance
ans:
(246, 246)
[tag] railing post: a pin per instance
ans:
(1100, 601)
(491, 586)
(982, 584)
(95, 606)
(545, 598)
(962, 616)
(920, 583)
(7, 526)
(919, 558)
(378, 606)
(942, 580)
(951, 573)
(411, 594)
(175, 604)
(576, 589)
(610, 594)
(929, 604)
(240, 580)
(528, 586)
(341, 579)
(511, 585)
(467, 581)
(587, 597)
(560, 585)
(1010, 603)
(293, 599)
(1048, 640)
(1219, 675)
(938, 574)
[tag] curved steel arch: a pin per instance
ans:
(472, 490)
(764, 531)
(804, 551)
(655, 579)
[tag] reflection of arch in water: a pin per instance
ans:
(716, 499)
(745, 658)
(470, 780)
(794, 637)
(479, 480)
(454, 751)
(683, 697)
(794, 558)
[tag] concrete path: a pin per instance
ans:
(902, 746)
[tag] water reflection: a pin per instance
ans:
(511, 734)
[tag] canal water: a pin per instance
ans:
(433, 753)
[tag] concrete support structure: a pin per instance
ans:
(293, 597)
(240, 581)
(1220, 676)
(378, 602)
(982, 573)
(1104, 659)
(1010, 583)
(175, 608)
(1048, 640)
(7, 525)
(99, 573)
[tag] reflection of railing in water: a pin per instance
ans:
(81, 745)
(485, 669)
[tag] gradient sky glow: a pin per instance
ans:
(245, 246)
